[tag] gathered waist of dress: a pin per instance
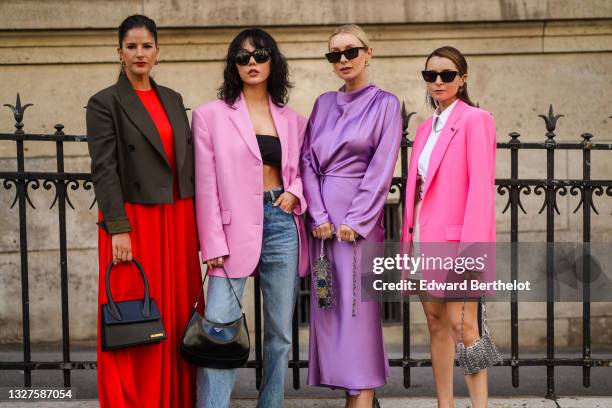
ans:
(342, 174)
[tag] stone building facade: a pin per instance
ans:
(523, 56)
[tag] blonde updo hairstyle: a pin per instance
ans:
(353, 29)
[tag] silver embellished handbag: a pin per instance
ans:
(483, 353)
(323, 279)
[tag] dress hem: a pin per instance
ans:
(360, 387)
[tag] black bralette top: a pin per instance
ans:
(270, 149)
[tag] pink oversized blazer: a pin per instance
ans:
(229, 183)
(459, 192)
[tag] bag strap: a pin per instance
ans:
(197, 301)
(354, 310)
(322, 251)
(112, 306)
(485, 327)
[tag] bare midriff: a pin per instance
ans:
(271, 177)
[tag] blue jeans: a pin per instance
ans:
(278, 265)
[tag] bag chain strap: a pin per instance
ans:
(354, 277)
(485, 328)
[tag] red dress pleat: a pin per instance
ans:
(164, 241)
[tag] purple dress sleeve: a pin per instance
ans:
(374, 188)
(310, 178)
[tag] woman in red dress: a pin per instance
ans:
(142, 169)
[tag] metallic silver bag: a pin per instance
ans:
(482, 354)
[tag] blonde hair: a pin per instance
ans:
(351, 29)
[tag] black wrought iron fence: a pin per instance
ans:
(513, 188)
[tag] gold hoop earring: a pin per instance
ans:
(122, 64)
(367, 63)
(156, 62)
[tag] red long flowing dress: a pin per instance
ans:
(164, 241)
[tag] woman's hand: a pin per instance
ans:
(122, 247)
(215, 262)
(323, 231)
(345, 233)
(286, 202)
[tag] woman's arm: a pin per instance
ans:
(296, 187)
(374, 188)
(102, 144)
(213, 243)
(480, 206)
(310, 178)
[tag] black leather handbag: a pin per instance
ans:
(132, 322)
(216, 345)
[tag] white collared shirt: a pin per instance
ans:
(437, 124)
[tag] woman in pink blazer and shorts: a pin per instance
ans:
(249, 203)
(450, 195)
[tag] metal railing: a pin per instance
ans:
(513, 187)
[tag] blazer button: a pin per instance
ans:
(410, 230)
(137, 185)
(131, 147)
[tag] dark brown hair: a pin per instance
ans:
(458, 59)
(136, 21)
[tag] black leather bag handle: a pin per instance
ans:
(112, 306)
(201, 293)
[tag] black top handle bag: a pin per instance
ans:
(216, 345)
(132, 322)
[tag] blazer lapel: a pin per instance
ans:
(175, 116)
(242, 121)
(282, 128)
(411, 182)
(450, 129)
(136, 111)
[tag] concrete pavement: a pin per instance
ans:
(569, 402)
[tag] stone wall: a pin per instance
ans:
(522, 56)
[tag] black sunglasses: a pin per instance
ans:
(350, 54)
(445, 76)
(261, 55)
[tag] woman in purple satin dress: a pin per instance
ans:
(348, 158)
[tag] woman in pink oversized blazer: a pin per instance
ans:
(249, 203)
(450, 199)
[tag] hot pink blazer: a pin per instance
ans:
(229, 183)
(459, 193)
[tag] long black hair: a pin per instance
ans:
(136, 21)
(278, 81)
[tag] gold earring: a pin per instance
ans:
(367, 63)
(156, 62)
(122, 63)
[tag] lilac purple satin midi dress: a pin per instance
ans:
(348, 158)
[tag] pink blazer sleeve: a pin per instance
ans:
(213, 243)
(480, 205)
(296, 187)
